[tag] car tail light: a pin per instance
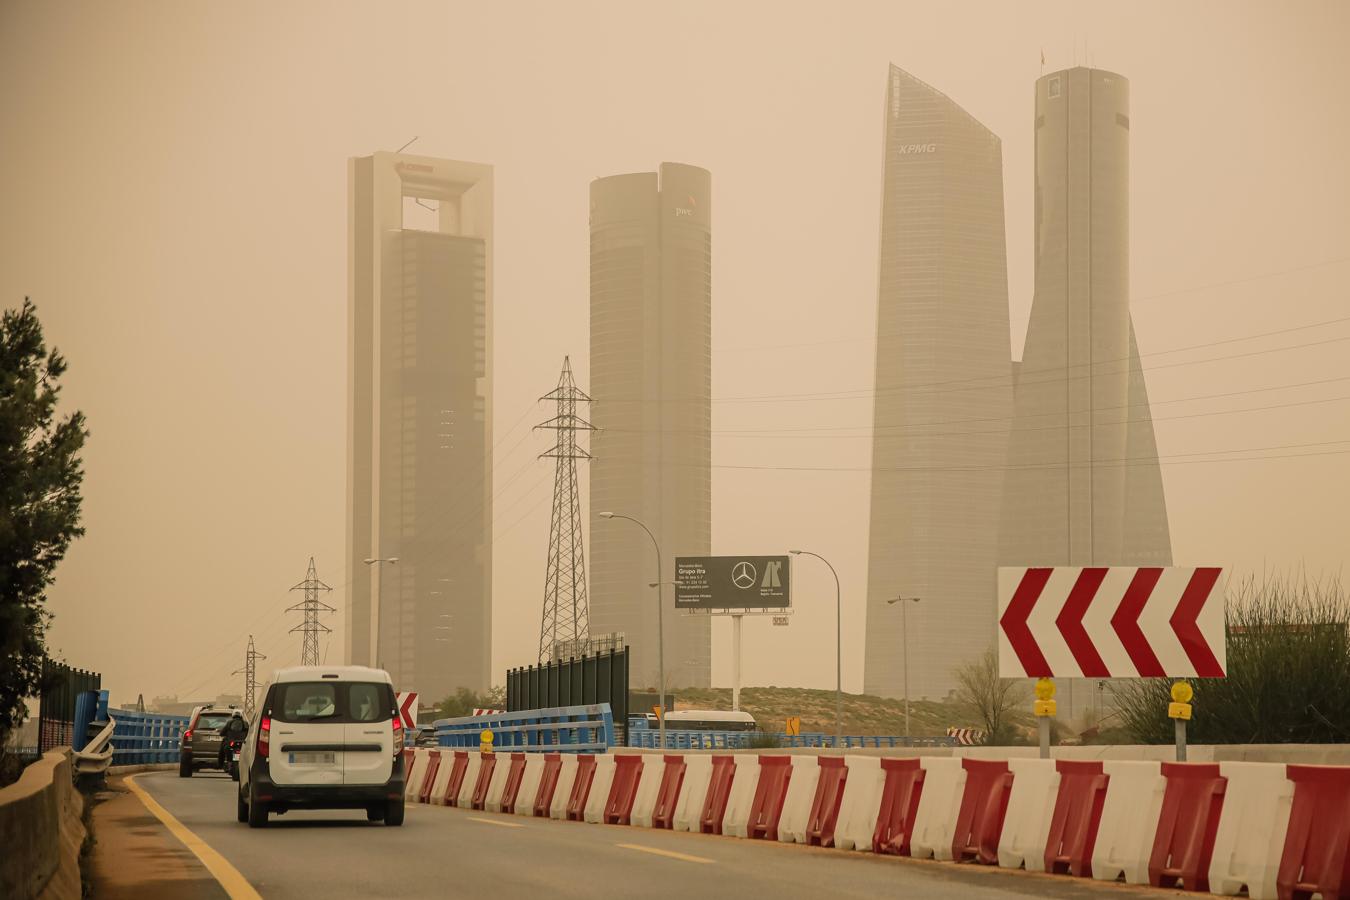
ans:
(187, 736)
(398, 735)
(264, 736)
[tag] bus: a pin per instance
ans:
(708, 720)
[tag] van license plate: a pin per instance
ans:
(313, 759)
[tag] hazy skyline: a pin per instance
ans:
(175, 203)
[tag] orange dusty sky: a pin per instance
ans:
(173, 196)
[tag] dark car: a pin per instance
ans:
(200, 746)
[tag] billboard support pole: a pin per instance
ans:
(736, 662)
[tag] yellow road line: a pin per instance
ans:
(235, 884)
(494, 822)
(670, 853)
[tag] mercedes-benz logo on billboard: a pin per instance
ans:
(744, 575)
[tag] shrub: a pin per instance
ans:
(1288, 672)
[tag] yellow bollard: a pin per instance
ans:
(1044, 710)
(1179, 711)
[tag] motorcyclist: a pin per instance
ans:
(234, 730)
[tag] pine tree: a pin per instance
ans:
(40, 477)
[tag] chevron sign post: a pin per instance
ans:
(1116, 622)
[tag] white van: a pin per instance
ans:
(324, 737)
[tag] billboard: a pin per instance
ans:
(732, 582)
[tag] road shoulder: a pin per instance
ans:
(135, 857)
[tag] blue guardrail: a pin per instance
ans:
(566, 729)
(145, 738)
(684, 739)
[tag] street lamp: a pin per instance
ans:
(838, 649)
(904, 643)
(660, 626)
(376, 604)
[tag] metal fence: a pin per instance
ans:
(61, 686)
(582, 681)
(569, 729)
(682, 739)
(145, 738)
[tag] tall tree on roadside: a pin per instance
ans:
(40, 477)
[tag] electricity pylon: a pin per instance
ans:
(566, 614)
(250, 672)
(311, 606)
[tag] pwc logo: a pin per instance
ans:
(686, 210)
(906, 149)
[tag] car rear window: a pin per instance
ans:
(331, 701)
(212, 721)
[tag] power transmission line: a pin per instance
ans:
(1060, 373)
(1144, 298)
(311, 606)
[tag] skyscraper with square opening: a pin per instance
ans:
(419, 481)
(943, 393)
(651, 377)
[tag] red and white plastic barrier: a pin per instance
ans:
(1274, 830)
(528, 794)
(697, 779)
(797, 801)
(1129, 822)
(1026, 828)
(944, 785)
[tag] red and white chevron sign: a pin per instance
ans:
(1116, 622)
(407, 709)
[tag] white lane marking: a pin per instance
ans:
(494, 822)
(667, 853)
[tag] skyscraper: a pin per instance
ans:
(651, 377)
(1083, 484)
(943, 392)
(419, 483)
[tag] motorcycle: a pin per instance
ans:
(232, 758)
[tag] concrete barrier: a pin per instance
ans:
(41, 832)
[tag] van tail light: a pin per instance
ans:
(398, 735)
(264, 736)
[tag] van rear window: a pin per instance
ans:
(330, 701)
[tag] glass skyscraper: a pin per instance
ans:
(1084, 487)
(651, 377)
(943, 393)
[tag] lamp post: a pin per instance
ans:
(375, 605)
(660, 626)
(838, 649)
(904, 643)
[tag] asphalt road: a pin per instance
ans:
(445, 852)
